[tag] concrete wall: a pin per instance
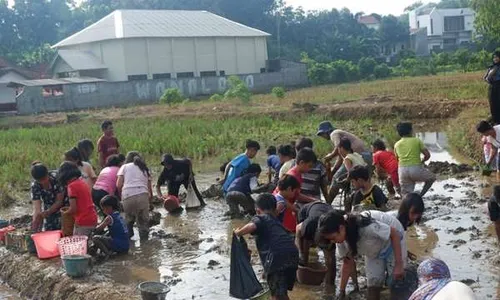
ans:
(106, 94)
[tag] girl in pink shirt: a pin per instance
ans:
(106, 181)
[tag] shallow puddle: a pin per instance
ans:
(191, 251)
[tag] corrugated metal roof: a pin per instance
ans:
(80, 60)
(49, 82)
(160, 23)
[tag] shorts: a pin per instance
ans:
(409, 176)
(493, 210)
(280, 282)
(83, 230)
(379, 271)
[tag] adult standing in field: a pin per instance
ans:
(134, 184)
(46, 192)
(328, 132)
(493, 78)
(107, 144)
(492, 134)
(177, 172)
(239, 164)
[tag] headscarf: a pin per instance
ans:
(433, 275)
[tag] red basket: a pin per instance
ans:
(73, 245)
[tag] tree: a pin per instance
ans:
(462, 57)
(413, 6)
(392, 31)
(453, 4)
(366, 66)
(487, 21)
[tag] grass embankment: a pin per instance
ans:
(428, 89)
(463, 136)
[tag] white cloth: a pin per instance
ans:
(495, 141)
(455, 290)
(357, 144)
(135, 182)
(286, 167)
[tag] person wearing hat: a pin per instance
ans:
(177, 172)
(328, 132)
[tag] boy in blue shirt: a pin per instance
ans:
(239, 164)
(273, 165)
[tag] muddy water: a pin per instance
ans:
(191, 252)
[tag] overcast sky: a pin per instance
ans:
(382, 7)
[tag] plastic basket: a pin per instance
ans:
(73, 245)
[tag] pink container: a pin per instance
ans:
(73, 245)
(46, 243)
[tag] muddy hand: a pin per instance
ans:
(399, 272)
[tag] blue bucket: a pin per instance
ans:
(3, 224)
(77, 265)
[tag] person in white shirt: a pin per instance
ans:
(436, 284)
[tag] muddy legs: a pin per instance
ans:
(427, 186)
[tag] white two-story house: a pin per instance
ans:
(434, 29)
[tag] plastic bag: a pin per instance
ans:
(192, 200)
(243, 284)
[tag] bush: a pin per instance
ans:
(238, 89)
(278, 92)
(366, 66)
(216, 98)
(171, 96)
(382, 71)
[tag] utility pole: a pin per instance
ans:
(278, 24)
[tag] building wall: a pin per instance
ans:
(151, 56)
(8, 95)
(105, 94)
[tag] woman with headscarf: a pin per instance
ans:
(435, 283)
(493, 78)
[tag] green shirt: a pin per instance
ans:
(408, 150)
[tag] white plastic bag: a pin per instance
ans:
(191, 198)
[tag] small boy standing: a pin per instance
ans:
(240, 163)
(367, 195)
(273, 165)
(494, 210)
(277, 251)
(411, 165)
(288, 188)
(107, 144)
(386, 164)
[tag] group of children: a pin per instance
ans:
(76, 192)
(292, 218)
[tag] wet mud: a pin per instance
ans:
(190, 252)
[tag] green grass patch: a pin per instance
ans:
(208, 141)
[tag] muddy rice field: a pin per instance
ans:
(191, 252)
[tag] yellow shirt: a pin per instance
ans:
(408, 150)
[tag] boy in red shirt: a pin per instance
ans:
(386, 164)
(107, 144)
(305, 161)
(81, 205)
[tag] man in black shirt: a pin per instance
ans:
(176, 173)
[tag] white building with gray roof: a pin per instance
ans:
(161, 44)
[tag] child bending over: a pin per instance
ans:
(277, 251)
(117, 241)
